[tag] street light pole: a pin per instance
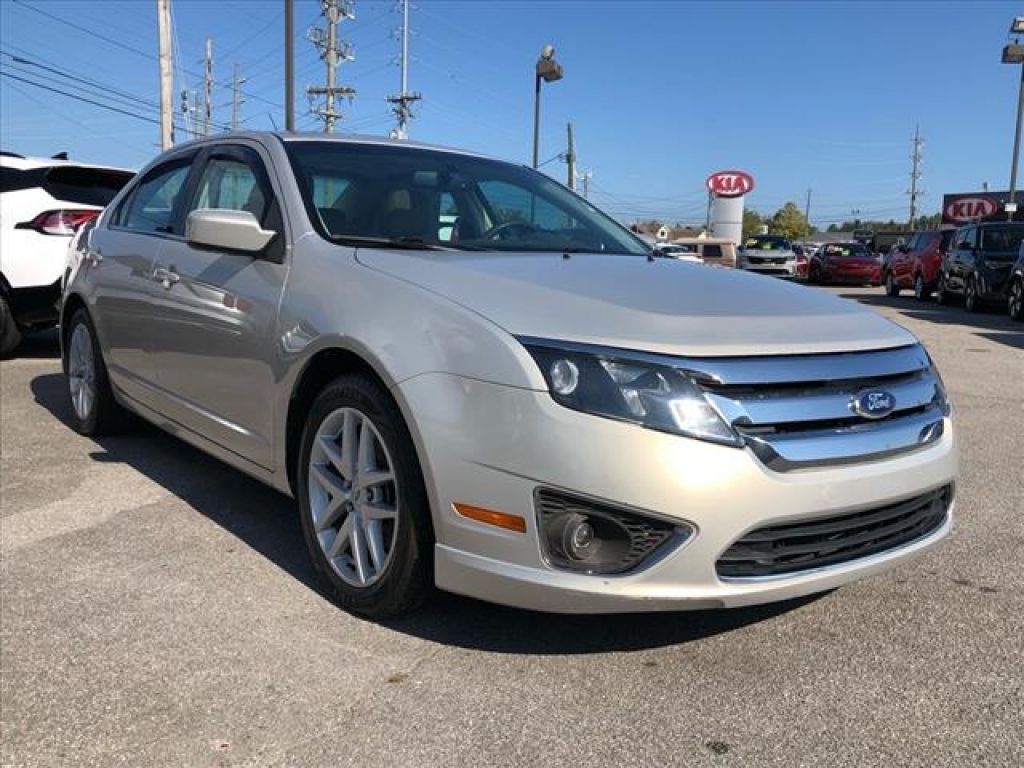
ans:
(548, 70)
(1016, 145)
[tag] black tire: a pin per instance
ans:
(971, 301)
(104, 416)
(407, 579)
(942, 295)
(10, 333)
(1015, 300)
(921, 290)
(891, 288)
(814, 274)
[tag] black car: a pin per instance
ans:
(979, 264)
(1015, 290)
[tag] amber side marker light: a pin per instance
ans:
(499, 519)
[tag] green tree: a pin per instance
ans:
(789, 222)
(752, 223)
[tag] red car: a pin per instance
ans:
(844, 263)
(917, 263)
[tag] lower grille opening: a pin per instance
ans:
(795, 547)
(590, 536)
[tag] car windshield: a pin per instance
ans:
(1005, 238)
(847, 250)
(384, 194)
(767, 243)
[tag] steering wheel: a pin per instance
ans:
(509, 230)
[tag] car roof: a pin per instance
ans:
(332, 138)
(8, 160)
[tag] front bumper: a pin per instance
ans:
(492, 446)
(784, 269)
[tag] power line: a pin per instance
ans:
(76, 97)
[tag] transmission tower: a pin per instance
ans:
(403, 101)
(333, 53)
(915, 174)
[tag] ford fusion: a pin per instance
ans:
(470, 378)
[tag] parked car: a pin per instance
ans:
(848, 262)
(677, 252)
(917, 263)
(524, 408)
(769, 255)
(43, 201)
(979, 265)
(1015, 290)
(711, 250)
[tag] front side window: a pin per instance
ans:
(369, 194)
(1005, 238)
(151, 206)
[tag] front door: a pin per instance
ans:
(217, 314)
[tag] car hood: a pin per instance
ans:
(662, 306)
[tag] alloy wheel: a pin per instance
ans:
(353, 497)
(81, 371)
(971, 296)
(1016, 300)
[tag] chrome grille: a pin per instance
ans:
(797, 412)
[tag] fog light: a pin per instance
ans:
(580, 538)
(565, 376)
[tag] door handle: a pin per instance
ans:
(166, 277)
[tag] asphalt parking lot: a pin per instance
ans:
(157, 609)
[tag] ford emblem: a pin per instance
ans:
(873, 403)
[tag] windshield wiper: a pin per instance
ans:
(403, 243)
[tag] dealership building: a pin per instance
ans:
(966, 207)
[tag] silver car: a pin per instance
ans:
(769, 255)
(469, 377)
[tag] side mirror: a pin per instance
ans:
(226, 230)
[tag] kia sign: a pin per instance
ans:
(967, 207)
(970, 209)
(730, 183)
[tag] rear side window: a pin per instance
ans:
(13, 179)
(85, 186)
(712, 252)
(151, 206)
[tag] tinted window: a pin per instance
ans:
(230, 184)
(712, 252)
(417, 195)
(965, 238)
(767, 243)
(86, 186)
(1003, 238)
(151, 206)
(12, 179)
(947, 238)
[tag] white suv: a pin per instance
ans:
(43, 201)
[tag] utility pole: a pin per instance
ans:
(289, 66)
(236, 96)
(570, 159)
(402, 108)
(332, 54)
(197, 126)
(208, 87)
(807, 211)
(586, 183)
(163, 16)
(915, 174)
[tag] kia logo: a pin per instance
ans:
(873, 403)
(970, 208)
(730, 183)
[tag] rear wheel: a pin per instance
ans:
(362, 503)
(921, 292)
(941, 293)
(971, 301)
(814, 274)
(94, 411)
(1015, 301)
(891, 288)
(10, 334)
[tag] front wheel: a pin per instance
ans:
(891, 289)
(10, 334)
(1015, 301)
(971, 301)
(941, 292)
(363, 507)
(94, 411)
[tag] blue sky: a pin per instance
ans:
(803, 95)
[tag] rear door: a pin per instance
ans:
(118, 273)
(963, 257)
(215, 319)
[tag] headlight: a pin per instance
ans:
(613, 385)
(941, 397)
